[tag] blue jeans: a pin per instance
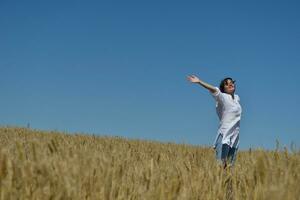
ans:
(225, 152)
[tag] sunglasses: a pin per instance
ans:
(227, 83)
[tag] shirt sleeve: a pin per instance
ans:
(218, 95)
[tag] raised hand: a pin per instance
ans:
(193, 79)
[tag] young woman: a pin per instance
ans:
(229, 112)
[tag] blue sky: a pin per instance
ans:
(120, 67)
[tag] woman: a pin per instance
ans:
(229, 112)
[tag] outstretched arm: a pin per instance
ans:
(195, 79)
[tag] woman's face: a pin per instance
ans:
(229, 86)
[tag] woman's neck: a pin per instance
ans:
(231, 94)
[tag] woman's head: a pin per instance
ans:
(227, 85)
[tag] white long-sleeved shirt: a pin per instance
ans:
(229, 112)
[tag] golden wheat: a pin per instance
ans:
(54, 165)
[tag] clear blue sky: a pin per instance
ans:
(120, 67)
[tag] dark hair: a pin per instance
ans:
(223, 82)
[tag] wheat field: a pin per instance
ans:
(55, 165)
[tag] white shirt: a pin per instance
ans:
(229, 112)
